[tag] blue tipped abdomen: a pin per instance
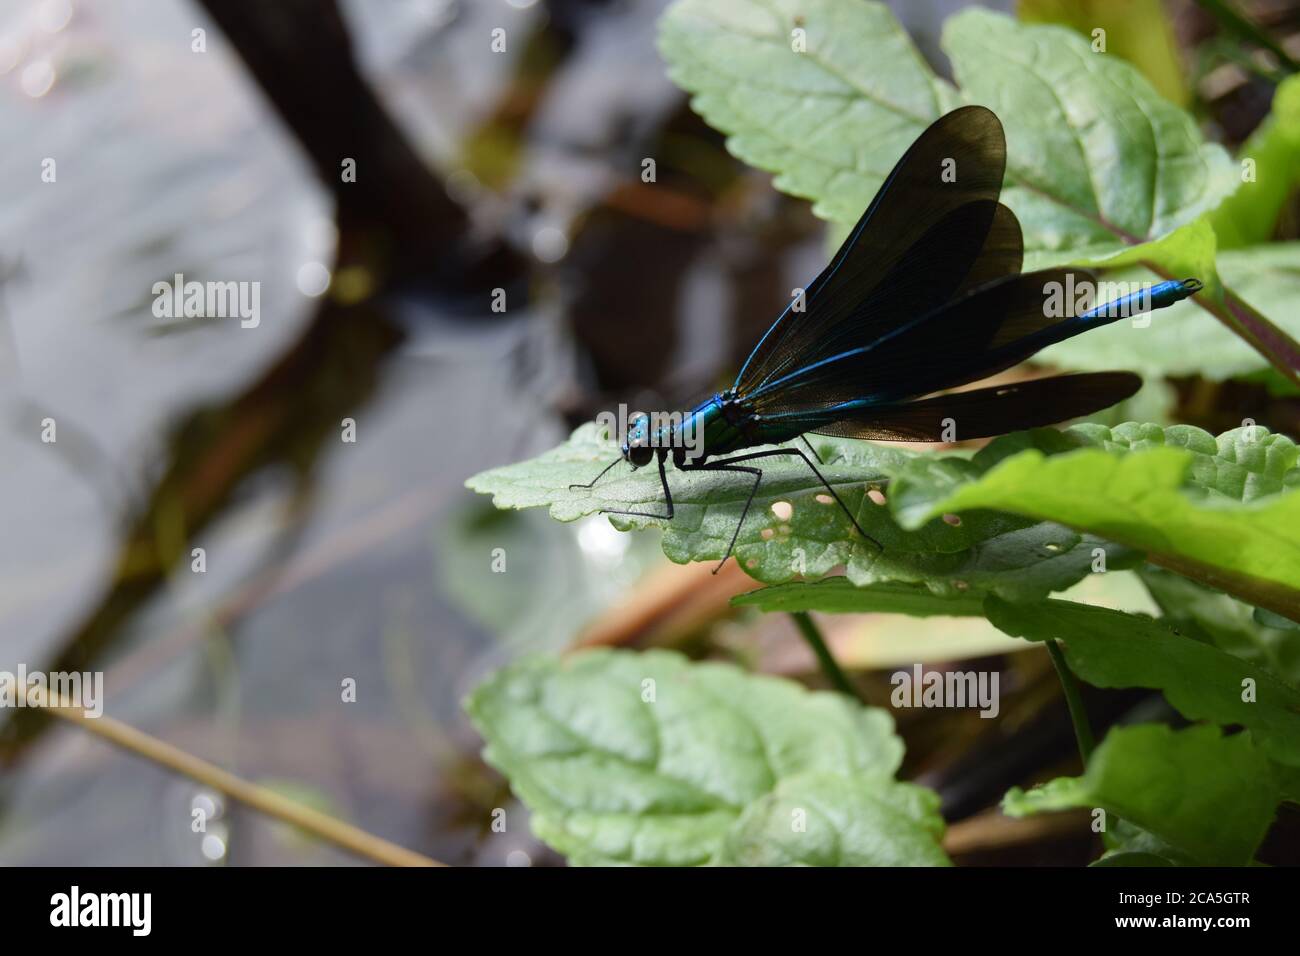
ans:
(1159, 296)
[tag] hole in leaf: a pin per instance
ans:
(877, 496)
(954, 520)
(782, 509)
(825, 500)
(766, 534)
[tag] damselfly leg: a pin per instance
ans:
(733, 465)
(804, 439)
(668, 498)
(722, 463)
(602, 474)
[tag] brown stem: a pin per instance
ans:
(312, 821)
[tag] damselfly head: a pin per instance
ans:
(636, 446)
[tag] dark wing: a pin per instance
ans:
(977, 334)
(983, 412)
(934, 230)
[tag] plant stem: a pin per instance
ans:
(1247, 322)
(259, 798)
(1073, 700)
(830, 667)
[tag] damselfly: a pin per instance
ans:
(925, 295)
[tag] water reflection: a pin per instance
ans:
(329, 560)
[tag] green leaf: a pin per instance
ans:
(1185, 339)
(1205, 508)
(1188, 252)
(1250, 214)
(1230, 625)
(814, 538)
(828, 95)
(830, 121)
(842, 821)
(649, 759)
(1013, 556)
(1210, 796)
(1097, 160)
(1129, 166)
(1125, 839)
(1139, 31)
(896, 626)
(1110, 648)
(841, 596)
(1021, 558)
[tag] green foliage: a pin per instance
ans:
(1101, 167)
(1208, 508)
(1187, 498)
(851, 821)
(841, 596)
(830, 122)
(1213, 617)
(1250, 214)
(1112, 649)
(1209, 796)
(717, 766)
(649, 759)
(1097, 159)
(1137, 30)
(1013, 556)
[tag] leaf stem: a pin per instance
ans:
(1261, 334)
(1073, 700)
(830, 667)
(259, 798)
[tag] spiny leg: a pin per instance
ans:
(724, 466)
(668, 498)
(804, 439)
(598, 477)
(795, 451)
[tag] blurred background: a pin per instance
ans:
(326, 560)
